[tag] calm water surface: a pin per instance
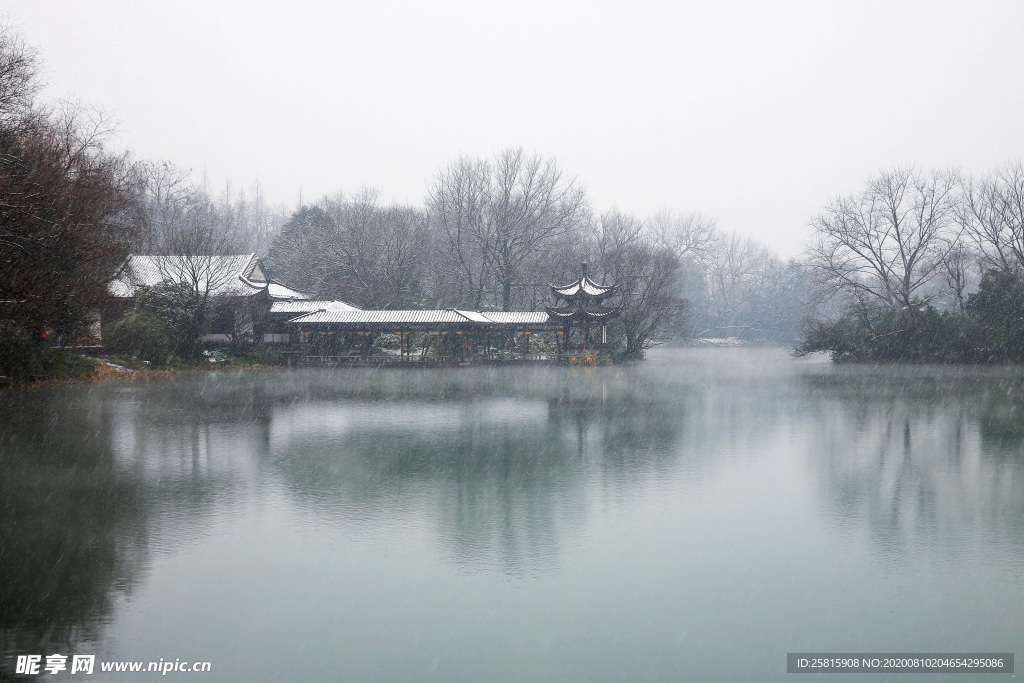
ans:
(695, 517)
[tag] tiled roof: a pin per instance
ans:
(584, 284)
(224, 275)
(237, 275)
(579, 313)
(434, 317)
(297, 307)
(278, 292)
(379, 317)
(516, 317)
(473, 316)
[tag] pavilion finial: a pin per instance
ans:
(583, 268)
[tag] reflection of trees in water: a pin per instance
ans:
(506, 463)
(504, 492)
(502, 462)
(73, 526)
(1002, 418)
(92, 478)
(507, 456)
(922, 459)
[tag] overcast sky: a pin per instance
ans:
(756, 113)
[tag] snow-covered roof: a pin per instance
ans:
(224, 275)
(586, 285)
(377, 317)
(279, 292)
(307, 306)
(516, 317)
(473, 316)
(578, 313)
(233, 275)
(434, 317)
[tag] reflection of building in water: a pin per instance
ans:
(504, 486)
(506, 472)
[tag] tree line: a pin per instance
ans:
(494, 233)
(921, 266)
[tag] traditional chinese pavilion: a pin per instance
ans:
(580, 306)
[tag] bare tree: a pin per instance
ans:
(957, 266)
(690, 236)
(458, 201)
(886, 244)
(372, 254)
(67, 204)
(646, 272)
(355, 249)
(992, 215)
(735, 269)
(167, 193)
(495, 217)
(262, 221)
(295, 253)
(19, 76)
(67, 215)
(171, 194)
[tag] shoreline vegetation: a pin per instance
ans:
(47, 365)
(920, 336)
(988, 330)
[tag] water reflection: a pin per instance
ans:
(507, 472)
(505, 468)
(922, 459)
(96, 480)
(73, 528)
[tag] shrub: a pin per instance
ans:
(998, 309)
(22, 359)
(18, 357)
(991, 330)
(57, 362)
(142, 335)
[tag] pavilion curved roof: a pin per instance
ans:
(585, 286)
(580, 314)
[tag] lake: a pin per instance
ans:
(694, 517)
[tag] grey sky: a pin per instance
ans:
(756, 113)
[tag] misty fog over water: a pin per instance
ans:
(694, 517)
